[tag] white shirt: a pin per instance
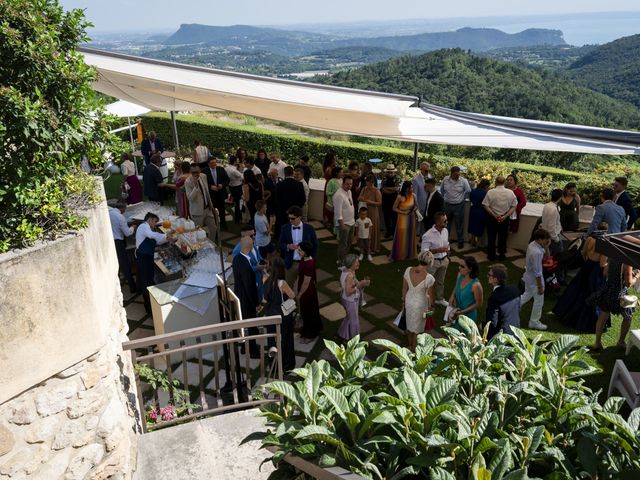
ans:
(296, 238)
(144, 231)
(280, 166)
(533, 267)
(551, 220)
(432, 238)
(307, 190)
(343, 207)
(202, 154)
(119, 226)
(235, 176)
(500, 200)
(256, 170)
(128, 168)
(455, 191)
(363, 227)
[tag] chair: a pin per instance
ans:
(626, 382)
(634, 340)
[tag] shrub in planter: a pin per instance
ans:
(458, 408)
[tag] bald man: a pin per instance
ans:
(500, 203)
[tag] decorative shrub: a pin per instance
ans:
(458, 408)
(48, 120)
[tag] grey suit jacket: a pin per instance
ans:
(194, 194)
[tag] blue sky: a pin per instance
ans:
(145, 15)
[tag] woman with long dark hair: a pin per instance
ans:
(404, 238)
(467, 296)
(570, 208)
(307, 293)
(262, 162)
(251, 192)
(276, 291)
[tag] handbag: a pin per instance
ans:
(401, 320)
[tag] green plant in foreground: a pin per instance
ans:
(458, 408)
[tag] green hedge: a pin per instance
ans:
(224, 138)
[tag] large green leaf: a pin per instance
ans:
(501, 462)
(337, 399)
(563, 344)
(634, 420)
(441, 393)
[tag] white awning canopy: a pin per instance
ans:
(165, 86)
(122, 108)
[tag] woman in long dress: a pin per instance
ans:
(570, 208)
(512, 184)
(404, 239)
(571, 308)
(134, 188)
(417, 295)
(307, 293)
(251, 192)
(477, 213)
(276, 290)
(371, 195)
(351, 290)
(467, 296)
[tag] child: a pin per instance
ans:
(363, 224)
(263, 229)
(533, 278)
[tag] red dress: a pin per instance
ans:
(309, 305)
(522, 201)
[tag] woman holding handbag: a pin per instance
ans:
(351, 290)
(278, 296)
(417, 296)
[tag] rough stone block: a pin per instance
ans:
(89, 403)
(44, 430)
(113, 466)
(7, 440)
(55, 466)
(71, 371)
(110, 418)
(86, 458)
(24, 461)
(69, 434)
(23, 412)
(50, 401)
(94, 372)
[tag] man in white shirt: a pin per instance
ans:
(436, 241)
(550, 221)
(344, 218)
(500, 203)
(455, 190)
(417, 185)
(533, 278)
(278, 164)
(146, 241)
(121, 230)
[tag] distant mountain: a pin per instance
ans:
(612, 68)
(549, 56)
(457, 79)
(474, 39)
(296, 43)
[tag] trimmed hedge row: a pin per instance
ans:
(224, 138)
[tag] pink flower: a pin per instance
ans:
(168, 413)
(153, 414)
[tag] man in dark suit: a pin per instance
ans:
(289, 192)
(149, 146)
(503, 305)
(624, 200)
(291, 235)
(154, 184)
(218, 181)
(244, 286)
(434, 203)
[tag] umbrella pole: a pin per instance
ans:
(415, 156)
(175, 131)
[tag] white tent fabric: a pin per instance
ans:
(122, 108)
(165, 86)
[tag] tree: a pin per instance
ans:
(49, 118)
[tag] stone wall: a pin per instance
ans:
(69, 404)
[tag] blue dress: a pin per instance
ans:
(477, 213)
(464, 297)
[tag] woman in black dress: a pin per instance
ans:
(251, 192)
(276, 291)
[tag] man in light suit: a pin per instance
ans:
(291, 235)
(201, 208)
(623, 199)
(417, 185)
(614, 215)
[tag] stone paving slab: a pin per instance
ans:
(333, 286)
(511, 252)
(334, 312)
(304, 347)
(135, 311)
(323, 299)
(388, 244)
(139, 333)
(380, 260)
(519, 262)
(322, 275)
(323, 233)
(465, 248)
(366, 326)
(381, 310)
(385, 334)
(227, 235)
(481, 257)
(331, 241)
(316, 224)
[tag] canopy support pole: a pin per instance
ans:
(175, 131)
(133, 146)
(415, 156)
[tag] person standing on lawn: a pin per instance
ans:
(533, 279)
(499, 203)
(344, 219)
(455, 190)
(436, 241)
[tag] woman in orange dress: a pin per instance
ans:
(404, 239)
(371, 196)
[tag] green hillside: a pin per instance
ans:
(612, 68)
(457, 79)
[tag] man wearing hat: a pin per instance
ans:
(389, 190)
(455, 190)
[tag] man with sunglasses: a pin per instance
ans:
(291, 235)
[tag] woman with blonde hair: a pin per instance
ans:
(417, 295)
(351, 289)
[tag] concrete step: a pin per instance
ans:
(204, 449)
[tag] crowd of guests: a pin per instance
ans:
(276, 257)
